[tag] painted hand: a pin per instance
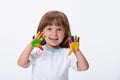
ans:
(37, 40)
(74, 44)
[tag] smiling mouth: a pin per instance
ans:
(53, 39)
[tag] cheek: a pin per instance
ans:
(62, 36)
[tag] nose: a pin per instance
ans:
(54, 33)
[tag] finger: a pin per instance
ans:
(40, 47)
(72, 38)
(33, 37)
(78, 39)
(41, 35)
(75, 38)
(69, 41)
(70, 52)
(37, 34)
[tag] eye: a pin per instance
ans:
(59, 29)
(49, 29)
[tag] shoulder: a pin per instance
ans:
(36, 51)
(65, 49)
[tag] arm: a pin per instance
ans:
(82, 63)
(24, 57)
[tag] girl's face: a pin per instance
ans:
(54, 36)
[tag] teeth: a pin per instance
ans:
(53, 39)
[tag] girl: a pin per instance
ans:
(53, 62)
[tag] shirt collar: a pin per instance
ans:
(51, 50)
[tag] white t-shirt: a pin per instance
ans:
(51, 64)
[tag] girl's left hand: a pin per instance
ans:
(74, 44)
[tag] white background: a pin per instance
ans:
(97, 22)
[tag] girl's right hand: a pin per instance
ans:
(37, 40)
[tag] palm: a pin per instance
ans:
(37, 40)
(74, 44)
